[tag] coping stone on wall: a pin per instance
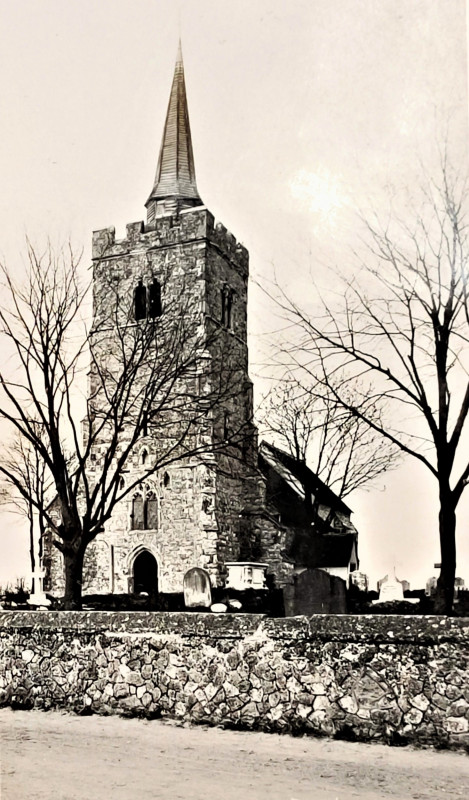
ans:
(377, 629)
(231, 626)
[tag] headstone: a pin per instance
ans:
(218, 608)
(197, 591)
(391, 590)
(314, 591)
(38, 598)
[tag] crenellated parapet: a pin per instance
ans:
(188, 227)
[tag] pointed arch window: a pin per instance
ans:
(140, 301)
(226, 425)
(154, 300)
(147, 300)
(226, 306)
(151, 512)
(145, 512)
(137, 514)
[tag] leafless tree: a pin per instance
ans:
(402, 325)
(154, 380)
(24, 462)
(339, 447)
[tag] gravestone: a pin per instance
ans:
(197, 591)
(314, 591)
(38, 598)
(219, 608)
(391, 590)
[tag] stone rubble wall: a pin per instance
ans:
(394, 679)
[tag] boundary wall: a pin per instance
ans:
(390, 678)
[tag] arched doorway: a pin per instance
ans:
(145, 574)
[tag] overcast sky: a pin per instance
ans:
(301, 111)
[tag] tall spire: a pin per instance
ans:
(175, 185)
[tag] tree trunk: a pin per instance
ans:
(73, 563)
(32, 549)
(445, 585)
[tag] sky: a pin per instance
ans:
(302, 112)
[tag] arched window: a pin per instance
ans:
(154, 300)
(137, 517)
(226, 425)
(229, 308)
(166, 481)
(140, 301)
(226, 306)
(144, 457)
(151, 512)
(144, 514)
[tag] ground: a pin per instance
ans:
(54, 756)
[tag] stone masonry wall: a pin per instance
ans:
(397, 679)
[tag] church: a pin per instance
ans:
(226, 507)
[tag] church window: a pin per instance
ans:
(140, 301)
(226, 425)
(121, 483)
(226, 306)
(154, 300)
(166, 481)
(137, 514)
(229, 307)
(144, 514)
(144, 457)
(151, 512)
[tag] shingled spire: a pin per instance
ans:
(175, 186)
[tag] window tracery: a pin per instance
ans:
(145, 511)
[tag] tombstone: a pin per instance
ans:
(390, 591)
(38, 598)
(219, 608)
(314, 591)
(197, 591)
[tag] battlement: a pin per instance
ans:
(192, 224)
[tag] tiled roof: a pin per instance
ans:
(297, 475)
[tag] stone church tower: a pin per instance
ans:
(221, 499)
(191, 513)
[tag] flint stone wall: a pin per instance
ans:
(397, 679)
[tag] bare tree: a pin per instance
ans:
(24, 462)
(154, 379)
(339, 447)
(403, 326)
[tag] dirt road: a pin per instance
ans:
(52, 756)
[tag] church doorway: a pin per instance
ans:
(145, 574)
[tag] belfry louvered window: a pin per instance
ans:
(140, 301)
(147, 300)
(154, 300)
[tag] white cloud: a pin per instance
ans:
(320, 192)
